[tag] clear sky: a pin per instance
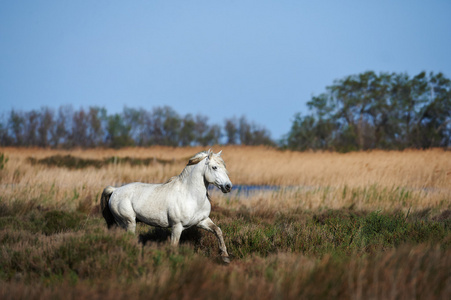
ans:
(262, 59)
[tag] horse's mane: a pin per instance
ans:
(192, 161)
(201, 155)
(198, 157)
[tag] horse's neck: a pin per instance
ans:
(193, 177)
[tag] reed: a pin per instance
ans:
(337, 226)
(262, 165)
(364, 180)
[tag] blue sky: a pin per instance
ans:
(262, 59)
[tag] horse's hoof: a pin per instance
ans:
(226, 259)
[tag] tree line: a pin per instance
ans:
(67, 127)
(359, 112)
(376, 111)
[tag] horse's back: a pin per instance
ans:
(124, 196)
(132, 191)
(140, 201)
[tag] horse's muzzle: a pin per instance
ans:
(225, 188)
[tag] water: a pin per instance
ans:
(247, 190)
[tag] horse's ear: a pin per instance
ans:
(219, 153)
(210, 153)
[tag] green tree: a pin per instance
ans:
(46, 123)
(16, 123)
(434, 122)
(253, 134)
(367, 111)
(118, 133)
(165, 128)
(212, 136)
(358, 98)
(60, 134)
(5, 137)
(95, 131)
(139, 122)
(79, 132)
(187, 131)
(204, 134)
(231, 131)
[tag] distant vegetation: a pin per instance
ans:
(358, 112)
(370, 111)
(94, 127)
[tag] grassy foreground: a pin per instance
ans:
(347, 226)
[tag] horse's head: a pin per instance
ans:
(216, 172)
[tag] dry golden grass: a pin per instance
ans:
(320, 236)
(261, 165)
(418, 179)
(417, 169)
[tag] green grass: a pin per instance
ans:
(337, 232)
(46, 252)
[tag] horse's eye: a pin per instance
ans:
(215, 168)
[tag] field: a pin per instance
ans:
(363, 225)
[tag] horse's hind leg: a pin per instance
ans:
(128, 224)
(176, 233)
(208, 225)
(131, 226)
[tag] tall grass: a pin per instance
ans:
(334, 254)
(260, 165)
(409, 178)
(343, 226)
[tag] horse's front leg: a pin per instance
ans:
(208, 225)
(176, 233)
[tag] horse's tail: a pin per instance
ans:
(105, 208)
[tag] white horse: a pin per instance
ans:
(180, 203)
